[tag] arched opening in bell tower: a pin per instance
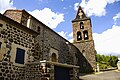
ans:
(86, 37)
(79, 37)
(81, 25)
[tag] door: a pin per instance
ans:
(61, 73)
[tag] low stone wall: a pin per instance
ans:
(36, 71)
(8, 71)
(33, 72)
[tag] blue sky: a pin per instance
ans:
(58, 14)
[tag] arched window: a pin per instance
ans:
(54, 57)
(81, 25)
(79, 37)
(28, 22)
(86, 37)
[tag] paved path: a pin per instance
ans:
(107, 75)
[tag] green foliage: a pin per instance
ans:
(106, 61)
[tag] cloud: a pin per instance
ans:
(108, 42)
(6, 4)
(94, 7)
(70, 37)
(71, 34)
(116, 17)
(64, 8)
(112, 1)
(48, 17)
(63, 34)
(76, 5)
(67, 36)
(71, 40)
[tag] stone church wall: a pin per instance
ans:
(88, 54)
(13, 36)
(37, 48)
(15, 15)
(47, 40)
(40, 43)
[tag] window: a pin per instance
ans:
(0, 44)
(86, 35)
(28, 22)
(79, 37)
(20, 53)
(81, 25)
(1, 25)
(54, 57)
(38, 30)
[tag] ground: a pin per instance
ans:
(107, 75)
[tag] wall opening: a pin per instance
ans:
(38, 29)
(20, 53)
(28, 22)
(86, 37)
(1, 25)
(54, 57)
(79, 37)
(81, 25)
(0, 45)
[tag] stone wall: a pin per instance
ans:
(40, 47)
(88, 54)
(48, 39)
(76, 28)
(83, 40)
(33, 71)
(8, 71)
(13, 36)
(15, 15)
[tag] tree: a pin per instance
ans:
(106, 61)
(113, 61)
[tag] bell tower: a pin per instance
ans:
(83, 40)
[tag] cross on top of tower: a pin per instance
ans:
(80, 14)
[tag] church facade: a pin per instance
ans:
(30, 50)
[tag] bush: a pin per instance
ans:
(106, 61)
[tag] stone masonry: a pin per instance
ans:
(83, 40)
(23, 35)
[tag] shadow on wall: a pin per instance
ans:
(66, 56)
(85, 66)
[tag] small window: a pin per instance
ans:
(0, 44)
(81, 25)
(79, 37)
(54, 57)
(38, 30)
(1, 25)
(20, 53)
(86, 35)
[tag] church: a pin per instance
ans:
(30, 50)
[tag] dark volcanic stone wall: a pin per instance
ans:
(14, 36)
(8, 71)
(46, 40)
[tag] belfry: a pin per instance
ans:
(83, 40)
